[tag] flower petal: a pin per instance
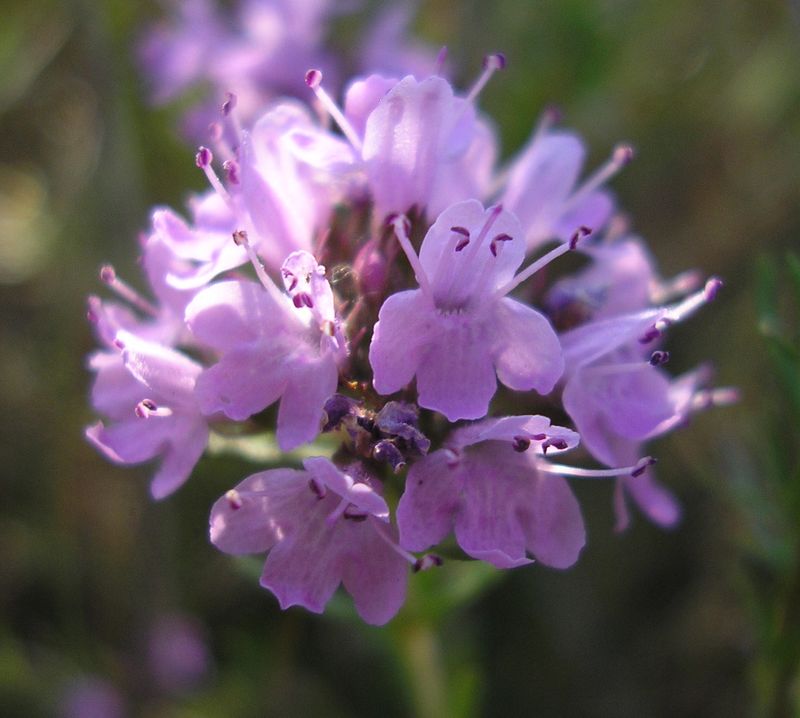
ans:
(555, 533)
(456, 375)
(272, 504)
(427, 508)
(245, 381)
(306, 392)
(374, 574)
(526, 350)
(185, 449)
(405, 323)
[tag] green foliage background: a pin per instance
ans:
(701, 621)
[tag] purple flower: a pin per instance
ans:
(542, 190)
(492, 486)
(619, 397)
(321, 527)
(147, 391)
(459, 332)
(273, 345)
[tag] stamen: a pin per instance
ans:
(464, 241)
(555, 443)
(379, 529)
(521, 443)
(241, 239)
(658, 358)
(234, 499)
(147, 408)
(620, 157)
(351, 513)
(338, 512)
(494, 213)
(231, 168)
(636, 470)
(496, 242)
(123, 290)
(203, 160)
(491, 64)
(542, 262)
(314, 81)
(319, 490)
(402, 227)
(429, 560)
(692, 303)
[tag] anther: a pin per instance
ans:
(521, 443)
(240, 238)
(579, 234)
(229, 104)
(107, 274)
(147, 408)
(493, 246)
(204, 157)
(497, 61)
(623, 154)
(539, 437)
(231, 168)
(234, 499)
(642, 464)
(313, 78)
(429, 560)
(657, 358)
(713, 285)
(556, 443)
(317, 489)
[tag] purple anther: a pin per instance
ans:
(429, 560)
(651, 334)
(239, 237)
(642, 464)
(538, 437)
(497, 240)
(229, 104)
(231, 168)
(623, 154)
(579, 234)
(657, 358)
(203, 157)
(521, 443)
(234, 499)
(495, 61)
(555, 443)
(464, 241)
(712, 287)
(313, 78)
(107, 274)
(302, 299)
(317, 489)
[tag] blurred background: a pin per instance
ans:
(113, 604)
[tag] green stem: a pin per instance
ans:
(421, 653)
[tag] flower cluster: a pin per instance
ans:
(374, 284)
